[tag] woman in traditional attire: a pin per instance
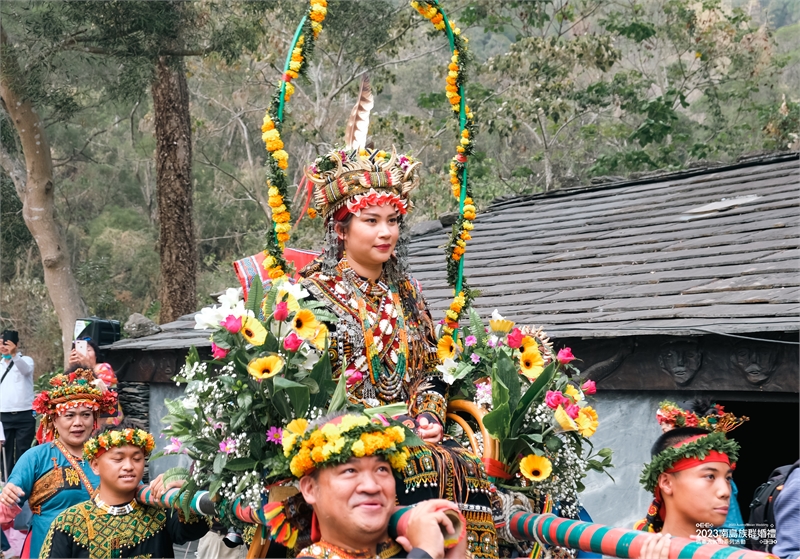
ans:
(54, 476)
(384, 338)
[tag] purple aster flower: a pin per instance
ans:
(275, 435)
(470, 341)
(475, 358)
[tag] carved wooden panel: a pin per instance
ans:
(715, 363)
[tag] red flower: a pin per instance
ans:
(565, 356)
(553, 399)
(292, 342)
(572, 410)
(514, 338)
(218, 352)
(281, 311)
(589, 387)
(232, 323)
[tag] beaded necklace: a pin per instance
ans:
(373, 355)
(114, 510)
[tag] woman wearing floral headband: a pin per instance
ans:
(384, 338)
(53, 476)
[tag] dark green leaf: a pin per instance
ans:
(241, 464)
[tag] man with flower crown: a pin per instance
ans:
(112, 523)
(53, 476)
(346, 465)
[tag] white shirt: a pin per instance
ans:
(16, 392)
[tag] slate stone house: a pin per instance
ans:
(672, 286)
(675, 286)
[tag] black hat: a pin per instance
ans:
(11, 336)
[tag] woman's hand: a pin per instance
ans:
(11, 495)
(430, 432)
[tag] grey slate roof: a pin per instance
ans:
(174, 335)
(713, 250)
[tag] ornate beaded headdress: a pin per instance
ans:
(339, 439)
(96, 446)
(357, 179)
(71, 390)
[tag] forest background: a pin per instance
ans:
(564, 93)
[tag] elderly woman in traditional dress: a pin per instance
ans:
(54, 476)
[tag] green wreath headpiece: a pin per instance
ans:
(699, 449)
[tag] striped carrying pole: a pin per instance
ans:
(614, 542)
(201, 502)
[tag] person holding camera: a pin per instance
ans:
(16, 399)
(85, 353)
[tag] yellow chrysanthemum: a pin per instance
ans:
(350, 421)
(564, 420)
(288, 440)
(535, 468)
(398, 461)
(446, 348)
(573, 393)
(358, 449)
(587, 421)
(531, 363)
(253, 331)
(265, 367)
(330, 431)
(305, 324)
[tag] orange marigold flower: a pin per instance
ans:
(283, 237)
(453, 67)
(312, 213)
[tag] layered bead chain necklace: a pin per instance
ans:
(114, 510)
(374, 364)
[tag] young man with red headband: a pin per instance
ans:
(690, 477)
(112, 523)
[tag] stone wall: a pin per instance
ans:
(159, 393)
(627, 426)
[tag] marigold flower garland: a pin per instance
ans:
(278, 162)
(456, 82)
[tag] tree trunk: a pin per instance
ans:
(178, 250)
(35, 188)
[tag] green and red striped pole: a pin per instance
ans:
(614, 542)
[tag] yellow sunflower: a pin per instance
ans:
(587, 421)
(564, 421)
(446, 348)
(297, 426)
(265, 367)
(305, 324)
(535, 468)
(501, 325)
(531, 364)
(573, 393)
(320, 338)
(528, 344)
(253, 331)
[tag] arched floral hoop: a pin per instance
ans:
(296, 64)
